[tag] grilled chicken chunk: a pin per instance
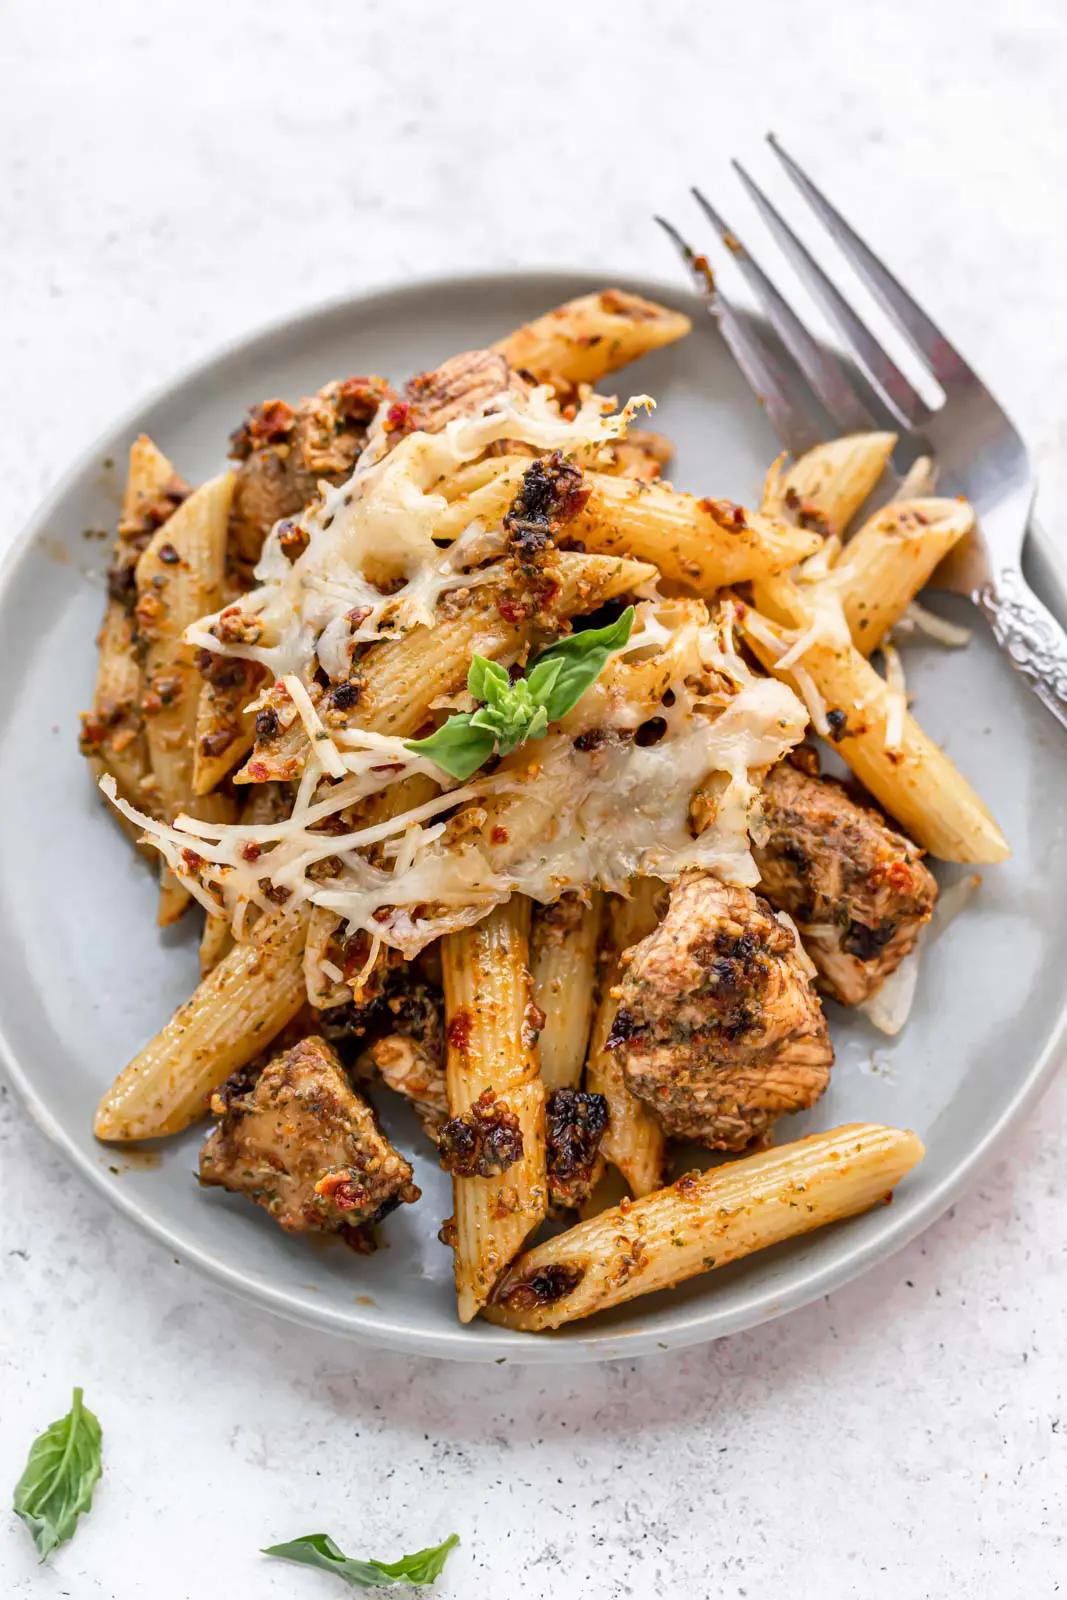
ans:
(460, 387)
(857, 890)
(719, 1029)
(410, 1057)
(301, 1143)
(285, 452)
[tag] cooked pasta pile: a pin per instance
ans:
(485, 752)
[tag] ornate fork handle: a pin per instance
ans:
(1029, 635)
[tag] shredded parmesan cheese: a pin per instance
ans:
(560, 813)
(890, 1005)
(898, 698)
(371, 569)
(918, 619)
(327, 752)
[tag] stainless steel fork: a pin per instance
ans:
(810, 392)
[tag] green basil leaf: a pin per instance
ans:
(61, 1471)
(511, 713)
(458, 747)
(542, 679)
(538, 724)
(490, 718)
(485, 677)
(410, 1572)
(582, 657)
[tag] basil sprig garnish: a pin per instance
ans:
(513, 712)
(410, 1572)
(60, 1474)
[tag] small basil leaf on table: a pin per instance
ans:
(57, 1485)
(410, 1572)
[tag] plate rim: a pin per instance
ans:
(582, 1343)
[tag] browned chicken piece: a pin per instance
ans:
(457, 388)
(857, 890)
(719, 1029)
(410, 1057)
(284, 452)
(301, 1143)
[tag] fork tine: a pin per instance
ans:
(885, 373)
(781, 395)
(946, 363)
(820, 366)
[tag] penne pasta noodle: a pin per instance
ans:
(634, 1141)
(891, 558)
(492, 1064)
(483, 492)
(405, 677)
(705, 544)
(151, 486)
(242, 1004)
(704, 1220)
(911, 777)
(826, 487)
(174, 897)
(225, 728)
(179, 578)
(216, 941)
(113, 733)
(585, 339)
(563, 954)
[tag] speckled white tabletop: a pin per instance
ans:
(174, 174)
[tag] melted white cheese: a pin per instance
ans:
(371, 569)
(566, 817)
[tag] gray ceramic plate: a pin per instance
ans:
(85, 978)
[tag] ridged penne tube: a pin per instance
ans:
(913, 779)
(563, 952)
(235, 1012)
(492, 1049)
(493, 486)
(116, 704)
(216, 941)
(705, 1220)
(174, 898)
(826, 487)
(634, 1141)
(890, 559)
(585, 339)
(325, 948)
(179, 579)
(404, 677)
(705, 544)
(149, 476)
(114, 732)
(225, 728)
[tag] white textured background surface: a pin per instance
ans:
(176, 173)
